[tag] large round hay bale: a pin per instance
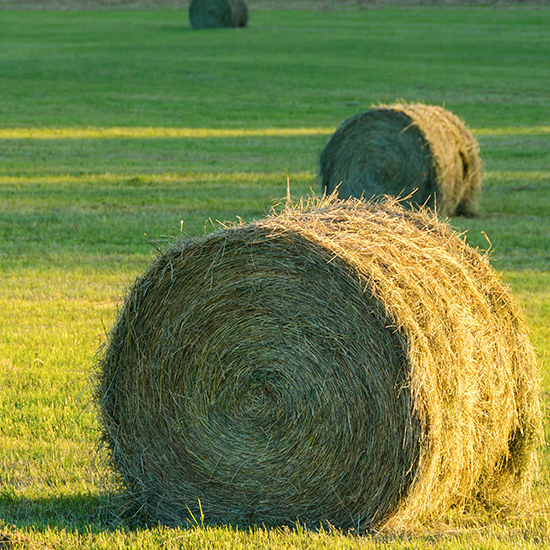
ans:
(422, 152)
(346, 362)
(215, 14)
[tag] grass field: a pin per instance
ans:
(213, 123)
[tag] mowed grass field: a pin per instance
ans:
(121, 130)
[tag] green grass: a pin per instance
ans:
(74, 212)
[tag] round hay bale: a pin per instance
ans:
(347, 362)
(423, 153)
(216, 14)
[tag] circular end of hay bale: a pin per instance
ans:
(420, 152)
(350, 363)
(215, 14)
(379, 152)
(254, 381)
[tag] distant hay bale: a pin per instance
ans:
(215, 14)
(397, 149)
(345, 361)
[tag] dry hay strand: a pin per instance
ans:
(422, 152)
(346, 362)
(215, 14)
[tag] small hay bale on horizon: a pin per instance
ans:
(216, 14)
(347, 362)
(420, 152)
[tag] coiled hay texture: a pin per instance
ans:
(341, 361)
(419, 151)
(215, 14)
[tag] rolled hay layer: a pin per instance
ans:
(215, 14)
(344, 361)
(422, 152)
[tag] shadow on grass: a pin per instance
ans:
(78, 512)
(83, 517)
(87, 513)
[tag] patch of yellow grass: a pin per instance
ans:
(196, 133)
(156, 133)
(512, 131)
(512, 176)
(207, 177)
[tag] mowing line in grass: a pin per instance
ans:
(193, 133)
(156, 133)
(513, 176)
(222, 177)
(206, 177)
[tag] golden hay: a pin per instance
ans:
(342, 361)
(405, 149)
(215, 14)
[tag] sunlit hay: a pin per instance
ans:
(214, 14)
(456, 157)
(341, 361)
(422, 152)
